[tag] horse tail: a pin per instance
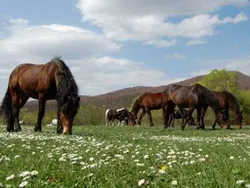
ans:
(6, 107)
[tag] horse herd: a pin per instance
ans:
(54, 80)
(187, 99)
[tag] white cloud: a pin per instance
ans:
(161, 43)
(25, 40)
(82, 51)
(104, 74)
(232, 64)
(196, 42)
(147, 20)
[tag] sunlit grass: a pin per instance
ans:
(105, 156)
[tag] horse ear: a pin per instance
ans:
(78, 99)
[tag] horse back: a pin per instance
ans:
(181, 95)
(33, 79)
(152, 100)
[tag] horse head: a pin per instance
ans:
(68, 111)
(132, 119)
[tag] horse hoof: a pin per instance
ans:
(10, 130)
(37, 129)
(18, 129)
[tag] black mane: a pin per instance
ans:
(67, 86)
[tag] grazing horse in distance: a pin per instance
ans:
(181, 114)
(52, 80)
(228, 101)
(122, 115)
(147, 102)
(191, 97)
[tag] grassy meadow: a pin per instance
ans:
(106, 156)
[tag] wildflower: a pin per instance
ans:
(202, 159)
(23, 184)
(174, 182)
(145, 157)
(91, 158)
(239, 182)
(24, 174)
(141, 182)
(1, 185)
(33, 173)
(10, 177)
(161, 171)
(164, 167)
(17, 156)
(247, 185)
(231, 157)
(139, 164)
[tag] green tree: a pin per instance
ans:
(218, 80)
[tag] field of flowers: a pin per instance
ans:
(100, 156)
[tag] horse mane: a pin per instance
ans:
(135, 106)
(66, 83)
(232, 100)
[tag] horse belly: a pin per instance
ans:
(181, 101)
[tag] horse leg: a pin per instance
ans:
(171, 120)
(190, 112)
(15, 112)
(200, 118)
(227, 116)
(150, 117)
(141, 116)
(23, 99)
(41, 111)
(165, 114)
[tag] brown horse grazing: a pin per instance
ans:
(191, 97)
(147, 102)
(43, 82)
(228, 101)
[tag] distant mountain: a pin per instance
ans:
(124, 97)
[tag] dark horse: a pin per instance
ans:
(191, 97)
(43, 82)
(147, 102)
(181, 114)
(228, 101)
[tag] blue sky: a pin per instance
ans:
(112, 44)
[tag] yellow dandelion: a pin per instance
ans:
(164, 167)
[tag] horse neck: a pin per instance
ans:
(135, 109)
(234, 106)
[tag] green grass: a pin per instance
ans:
(105, 156)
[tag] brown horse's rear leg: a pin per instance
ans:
(17, 103)
(150, 117)
(22, 100)
(190, 112)
(41, 111)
